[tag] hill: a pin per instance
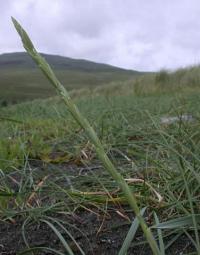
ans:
(21, 80)
(23, 60)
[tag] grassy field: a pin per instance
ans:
(128, 186)
(49, 168)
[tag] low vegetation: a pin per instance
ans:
(52, 179)
(21, 80)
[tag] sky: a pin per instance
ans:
(134, 34)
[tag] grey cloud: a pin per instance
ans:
(136, 34)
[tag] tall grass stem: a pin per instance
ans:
(83, 122)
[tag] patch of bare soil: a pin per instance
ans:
(97, 232)
(97, 235)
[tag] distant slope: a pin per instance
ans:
(20, 79)
(23, 60)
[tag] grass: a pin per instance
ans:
(91, 134)
(130, 130)
(22, 81)
(49, 168)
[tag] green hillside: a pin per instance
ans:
(21, 80)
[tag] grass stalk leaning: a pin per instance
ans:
(48, 72)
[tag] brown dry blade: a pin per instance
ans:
(123, 215)
(134, 180)
(33, 194)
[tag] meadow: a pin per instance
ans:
(56, 196)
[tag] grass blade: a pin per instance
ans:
(160, 237)
(178, 223)
(130, 235)
(30, 250)
(65, 244)
(48, 72)
(68, 233)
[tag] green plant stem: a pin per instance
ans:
(46, 69)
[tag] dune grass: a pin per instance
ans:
(130, 196)
(49, 165)
(132, 135)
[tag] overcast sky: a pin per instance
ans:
(134, 34)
